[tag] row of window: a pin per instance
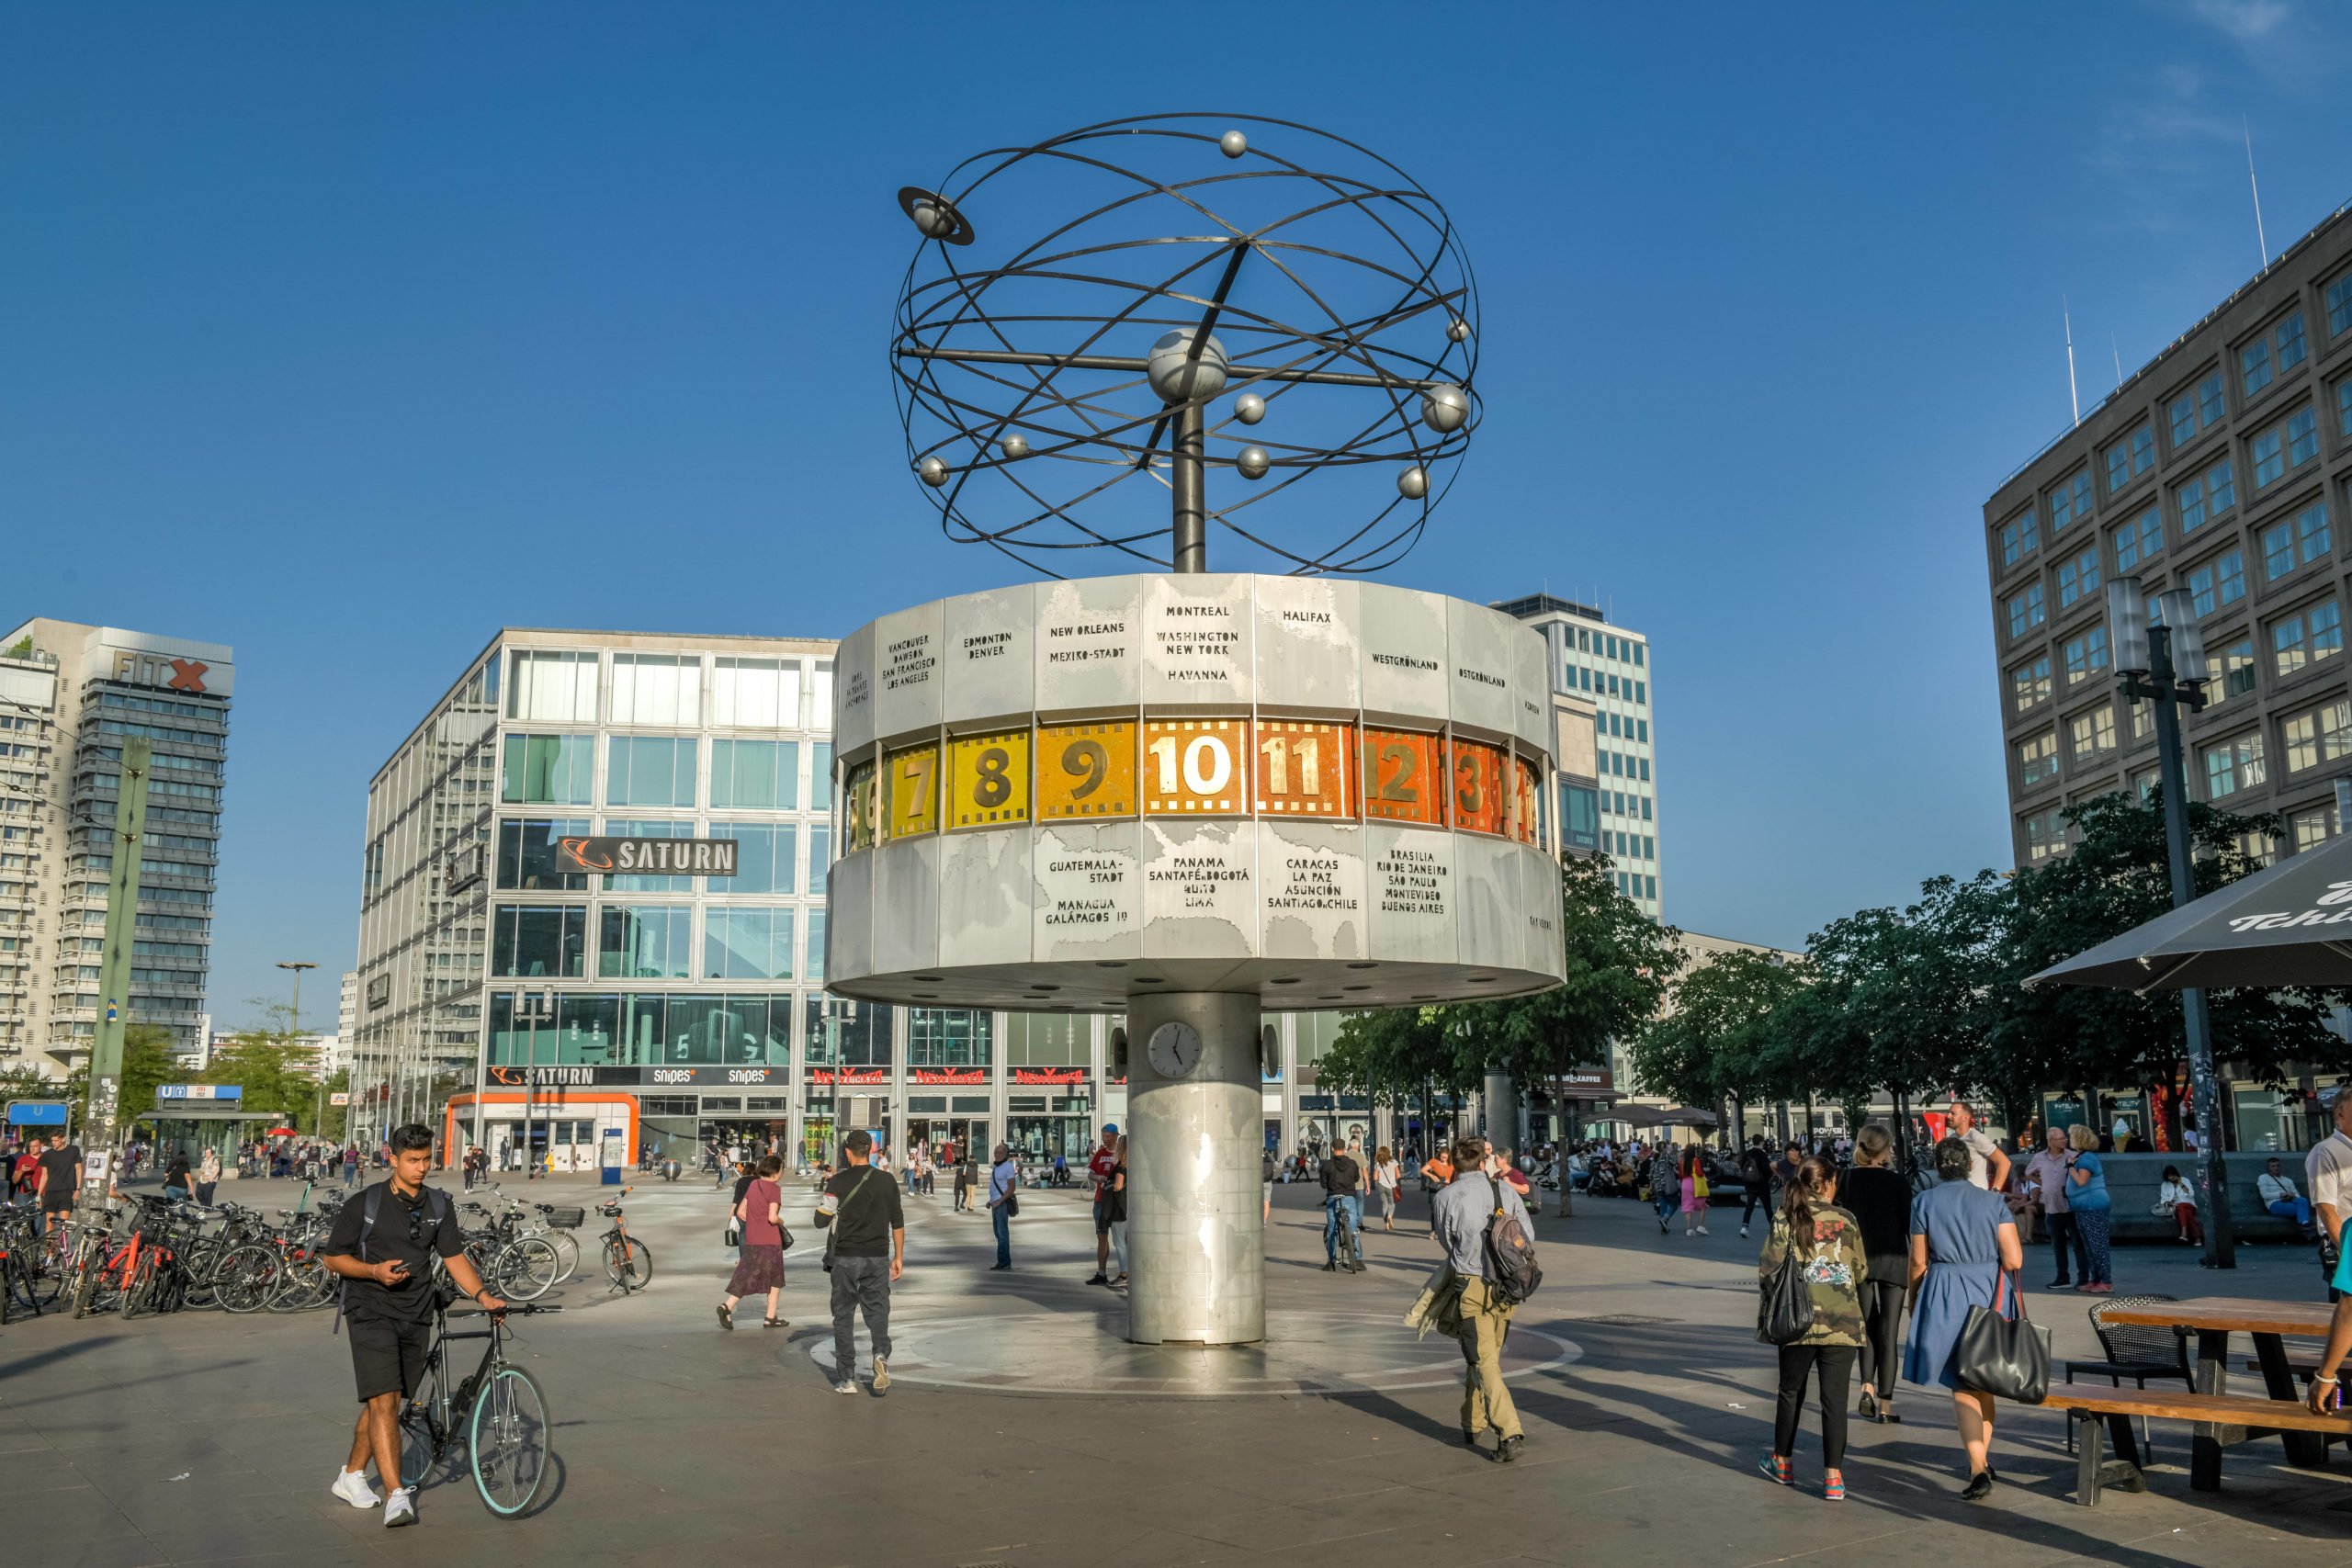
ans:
(654, 941)
(1601, 684)
(665, 771)
(2287, 546)
(1616, 765)
(1636, 885)
(2309, 738)
(1609, 646)
(1632, 846)
(551, 686)
(2284, 446)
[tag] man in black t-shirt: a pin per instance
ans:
(1343, 1213)
(389, 1300)
(60, 1180)
(868, 1252)
(1755, 1180)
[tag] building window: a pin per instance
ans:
(662, 689)
(764, 858)
(756, 693)
(2321, 735)
(751, 775)
(539, 940)
(2232, 765)
(2070, 502)
(2312, 537)
(747, 944)
(2140, 541)
(2086, 655)
(2344, 407)
(950, 1037)
(2130, 457)
(2077, 577)
(2307, 638)
(651, 770)
(2297, 541)
(813, 969)
(2236, 665)
(2303, 437)
(2313, 827)
(2197, 410)
(2026, 611)
(2254, 366)
(2018, 536)
(2045, 835)
(552, 688)
(2289, 338)
(1579, 811)
(549, 769)
(2030, 683)
(2218, 582)
(526, 860)
(820, 855)
(2092, 735)
(646, 941)
(2269, 461)
(2038, 760)
(2209, 494)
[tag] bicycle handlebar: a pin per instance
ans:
(524, 1309)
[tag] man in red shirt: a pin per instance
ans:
(1099, 1170)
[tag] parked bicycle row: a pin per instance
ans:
(157, 1253)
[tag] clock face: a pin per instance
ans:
(1174, 1050)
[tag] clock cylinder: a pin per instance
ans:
(1196, 1254)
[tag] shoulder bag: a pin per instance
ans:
(833, 1226)
(2008, 1357)
(1784, 1309)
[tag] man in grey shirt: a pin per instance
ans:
(1458, 1217)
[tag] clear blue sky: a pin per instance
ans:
(345, 334)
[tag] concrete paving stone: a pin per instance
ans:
(108, 1551)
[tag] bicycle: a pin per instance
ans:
(503, 1414)
(628, 1262)
(517, 1266)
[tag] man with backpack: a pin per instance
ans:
(384, 1245)
(1482, 1225)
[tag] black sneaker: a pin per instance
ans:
(1979, 1487)
(1099, 1278)
(1331, 1267)
(1507, 1450)
(2059, 1283)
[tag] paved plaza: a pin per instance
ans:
(1022, 1431)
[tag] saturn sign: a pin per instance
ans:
(689, 857)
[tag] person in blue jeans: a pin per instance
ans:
(2093, 1206)
(1003, 1176)
(1343, 1213)
(2276, 1190)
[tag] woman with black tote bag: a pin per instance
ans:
(1963, 1241)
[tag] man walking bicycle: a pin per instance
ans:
(384, 1245)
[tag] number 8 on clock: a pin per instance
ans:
(988, 779)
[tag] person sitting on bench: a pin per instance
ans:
(2276, 1190)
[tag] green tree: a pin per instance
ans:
(279, 1078)
(1719, 1039)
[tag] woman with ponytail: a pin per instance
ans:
(1827, 1242)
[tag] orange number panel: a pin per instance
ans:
(913, 792)
(988, 779)
(1196, 767)
(1306, 769)
(1086, 769)
(1403, 781)
(1479, 799)
(1526, 802)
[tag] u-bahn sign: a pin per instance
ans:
(673, 857)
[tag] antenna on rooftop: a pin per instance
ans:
(2116, 349)
(2254, 186)
(2072, 392)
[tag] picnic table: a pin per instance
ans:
(2212, 1319)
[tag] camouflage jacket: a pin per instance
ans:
(1833, 1271)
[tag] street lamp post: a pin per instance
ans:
(294, 1031)
(2164, 663)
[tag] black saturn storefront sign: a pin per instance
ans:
(694, 857)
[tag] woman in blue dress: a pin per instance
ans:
(1963, 1241)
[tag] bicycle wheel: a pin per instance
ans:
(629, 1263)
(419, 1452)
(527, 1269)
(507, 1442)
(247, 1277)
(567, 1253)
(302, 1284)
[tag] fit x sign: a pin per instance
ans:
(187, 675)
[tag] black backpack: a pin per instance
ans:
(1511, 1269)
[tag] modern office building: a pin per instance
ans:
(70, 694)
(1609, 668)
(2218, 468)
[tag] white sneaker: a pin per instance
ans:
(351, 1485)
(847, 1386)
(400, 1507)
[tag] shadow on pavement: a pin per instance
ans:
(19, 1366)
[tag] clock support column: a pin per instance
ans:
(1196, 1252)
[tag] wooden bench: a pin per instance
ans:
(2088, 1407)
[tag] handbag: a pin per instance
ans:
(833, 1226)
(2008, 1357)
(1784, 1309)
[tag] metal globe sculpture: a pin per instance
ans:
(1089, 322)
